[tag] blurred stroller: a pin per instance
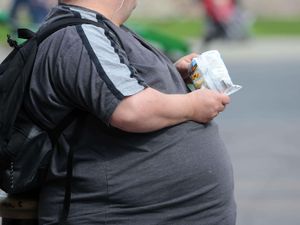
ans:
(225, 19)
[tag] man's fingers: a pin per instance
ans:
(225, 99)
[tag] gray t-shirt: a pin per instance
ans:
(180, 175)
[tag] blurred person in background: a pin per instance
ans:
(225, 19)
(37, 10)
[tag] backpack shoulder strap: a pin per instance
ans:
(45, 32)
(62, 23)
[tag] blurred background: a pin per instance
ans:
(260, 44)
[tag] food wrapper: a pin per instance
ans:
(208, 70)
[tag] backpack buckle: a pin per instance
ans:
(12, 43)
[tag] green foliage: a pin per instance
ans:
(180, 29)
(193, 28)
(4, 30)
(277, 27)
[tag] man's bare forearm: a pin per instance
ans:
(152, 110)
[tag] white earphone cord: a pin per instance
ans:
(117, 10)
(120, 6)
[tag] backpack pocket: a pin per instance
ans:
(29, 151)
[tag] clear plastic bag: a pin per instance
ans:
(208, 70)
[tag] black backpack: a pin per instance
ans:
(25, 145)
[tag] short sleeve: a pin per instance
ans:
(94, 73)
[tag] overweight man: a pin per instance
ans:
(146, 151)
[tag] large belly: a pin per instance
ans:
(181, 166)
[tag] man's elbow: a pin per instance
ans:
(125, 121)
(129, 116)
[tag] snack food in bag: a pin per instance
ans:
(208, 70)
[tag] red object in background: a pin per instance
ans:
(219, 10)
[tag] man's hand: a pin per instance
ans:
(183, 64)
(207, 104)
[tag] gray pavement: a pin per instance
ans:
(261, 128)
(3, 52)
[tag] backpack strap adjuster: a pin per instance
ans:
(25, 33)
